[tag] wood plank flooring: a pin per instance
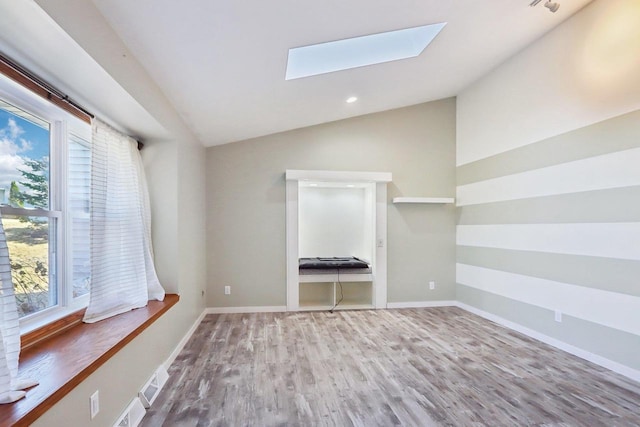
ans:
(410, 367)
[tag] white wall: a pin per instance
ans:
(582, 72)
(333, 222)
(548, 154)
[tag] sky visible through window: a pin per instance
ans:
(20, 140)
(24, 159)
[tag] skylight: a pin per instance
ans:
(359, 51)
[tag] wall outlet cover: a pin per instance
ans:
(94, 404)
(558, 316)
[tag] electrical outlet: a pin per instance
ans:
(432, 285)
(94, 404)
(380, 243)
(227, 290)
(558, 316)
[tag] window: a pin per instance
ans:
(44, 199)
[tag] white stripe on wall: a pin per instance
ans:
(614, 170)
(609, 240)
(610, 309)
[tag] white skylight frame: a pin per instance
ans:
(361, 51)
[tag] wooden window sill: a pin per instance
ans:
(63, 361)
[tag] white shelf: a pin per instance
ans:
(441, 200)
(329, 278)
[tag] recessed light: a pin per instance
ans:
(352, 99)
(356, 52)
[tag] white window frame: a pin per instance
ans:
(62, 124)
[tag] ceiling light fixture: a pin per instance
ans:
(552, 6)
(352, 99)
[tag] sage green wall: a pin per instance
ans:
(179, 247)
(120, 378)
(246, 201)
(191, 240)
(174, 164)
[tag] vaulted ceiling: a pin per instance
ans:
(221, 64)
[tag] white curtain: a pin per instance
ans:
(11, 389)
(122, 273)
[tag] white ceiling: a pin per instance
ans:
(221, 63)
(29, 36)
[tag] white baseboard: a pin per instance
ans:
(249, 309)
(184, 340)
(420, 304)
(576, 351)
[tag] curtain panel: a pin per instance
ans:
(11, 388)
(123, 276)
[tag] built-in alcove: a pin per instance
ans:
(336, 214)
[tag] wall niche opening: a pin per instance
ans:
(336, 214)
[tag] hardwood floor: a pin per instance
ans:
(411, 367)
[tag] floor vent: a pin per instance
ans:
(132, 415)
(152, 388)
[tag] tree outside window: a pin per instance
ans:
(24, 171)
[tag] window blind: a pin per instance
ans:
(11, 389)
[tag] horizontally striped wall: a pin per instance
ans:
(554, 226)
